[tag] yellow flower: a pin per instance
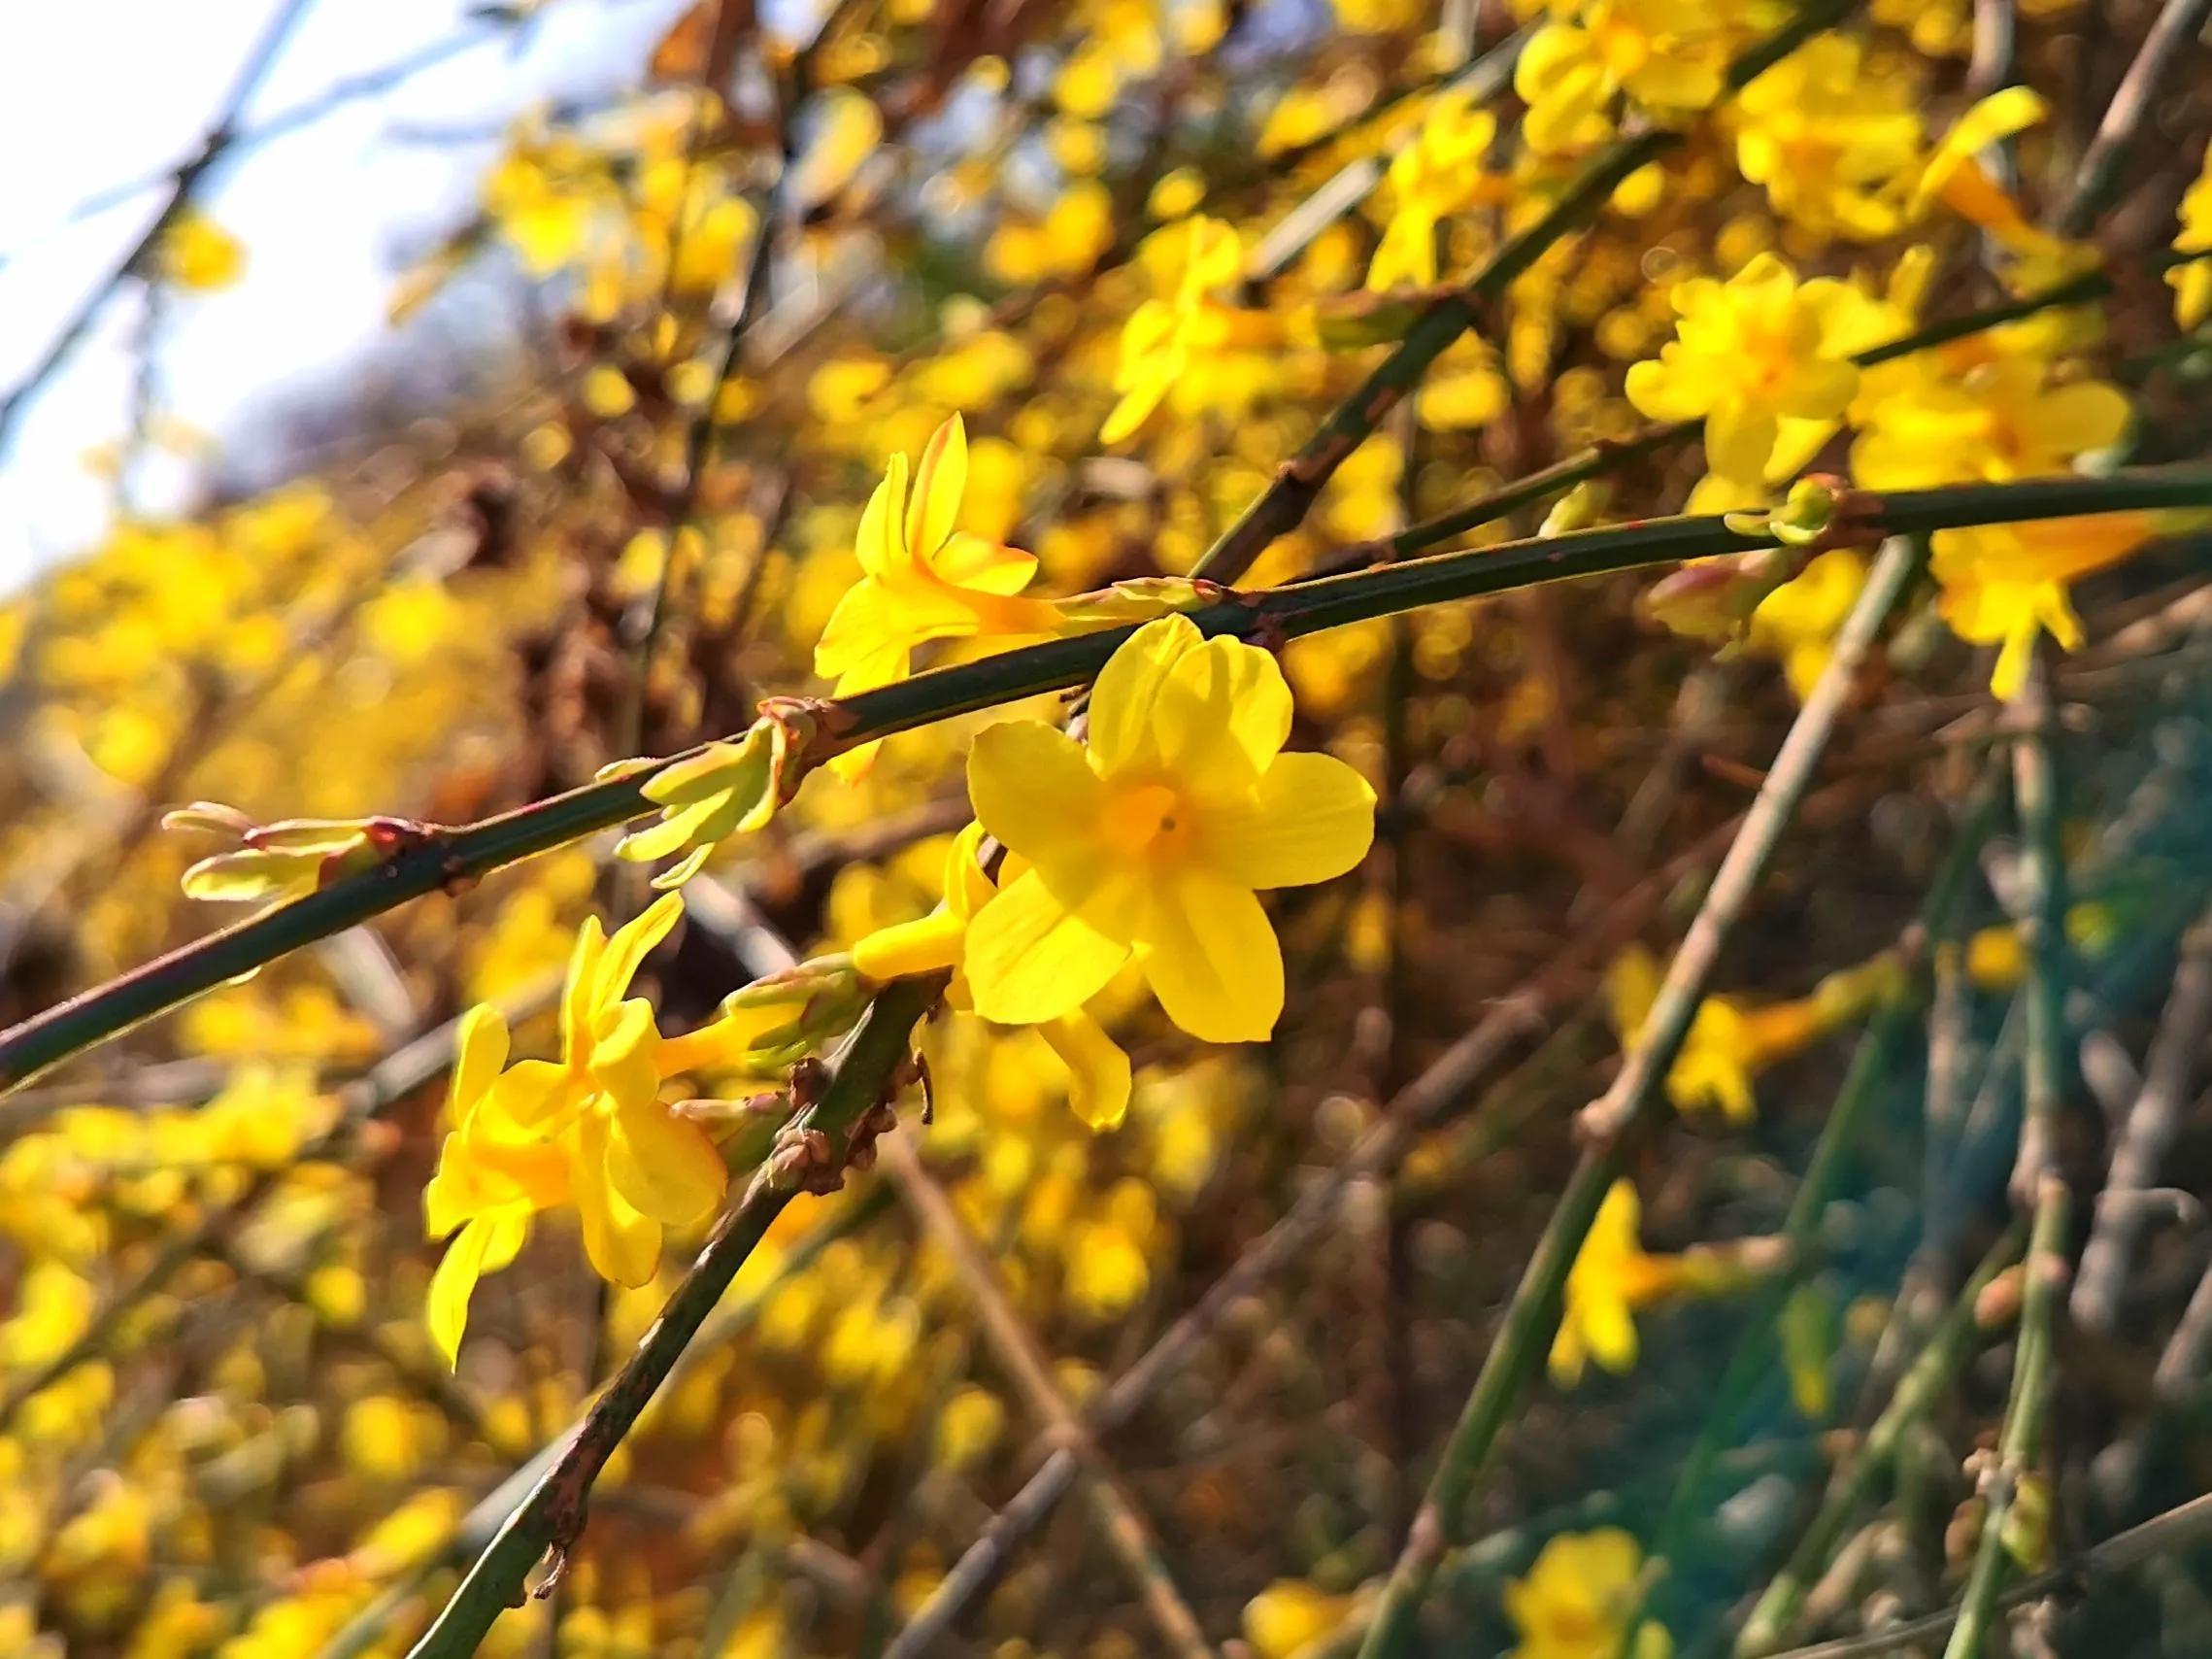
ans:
(1292, 1617)
(1098, 1071)
(1187, 346)
(1150, 843)
(2001, 420)
(1438, 174)
(2004, 585)
(1671, 55)
(2193, 282)
(1728, 1043)
(1797, 624)
(587, 1129)
(1578, 1597)
(1748, 355)
(1954, 177)
(196, 252)
(1611, 1279)
(1830, 140)
(922, 579)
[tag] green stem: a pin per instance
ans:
(367, 1628)
(1869, 1068)
(551, 1516)
(1917, 1391)
(2036, 1178)
(1533, 1314)
(451, 858)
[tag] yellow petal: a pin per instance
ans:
(1739, 440)
(1221, 716)
(1135, 408)
(575, 1004)
(970, 561)
(1122, 704)
(1032, 788)
(1311, 818)
(881, 544)
(1036, 953)
(484, 1245)
(928, 944)
(1210, 957)
(1098, 1071)
(626, 1061)
(1658, 391)
(479, 1051)
(1610, 1333)
(1568, 1358)
(523, 1101)
(623, 1244)
(2072, 419)
(939, 481)
(631, 944)
(665, 1166)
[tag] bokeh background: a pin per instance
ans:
(374, 443)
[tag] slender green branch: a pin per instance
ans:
(1922, 1385)
(2177, 1529)
(1533, 1314)
(450, 859)
(551, 1516)
(1753, 1358)
(2036, 1180)
(481, 1525)
(1282, 505)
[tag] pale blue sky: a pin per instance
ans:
(101, 91)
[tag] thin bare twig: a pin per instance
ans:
(1128, 1533)
(218, 139)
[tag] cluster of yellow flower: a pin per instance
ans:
(955, 244)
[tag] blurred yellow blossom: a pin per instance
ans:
(2192, 279)
(195, 252)
(1578, 1598)
(1749, 356)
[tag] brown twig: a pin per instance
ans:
(1128, 1533)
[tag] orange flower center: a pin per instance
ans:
(1146, 818)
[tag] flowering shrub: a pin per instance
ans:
(1376, 780)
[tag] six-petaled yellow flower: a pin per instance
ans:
(1751, 356)
(1151, 842)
